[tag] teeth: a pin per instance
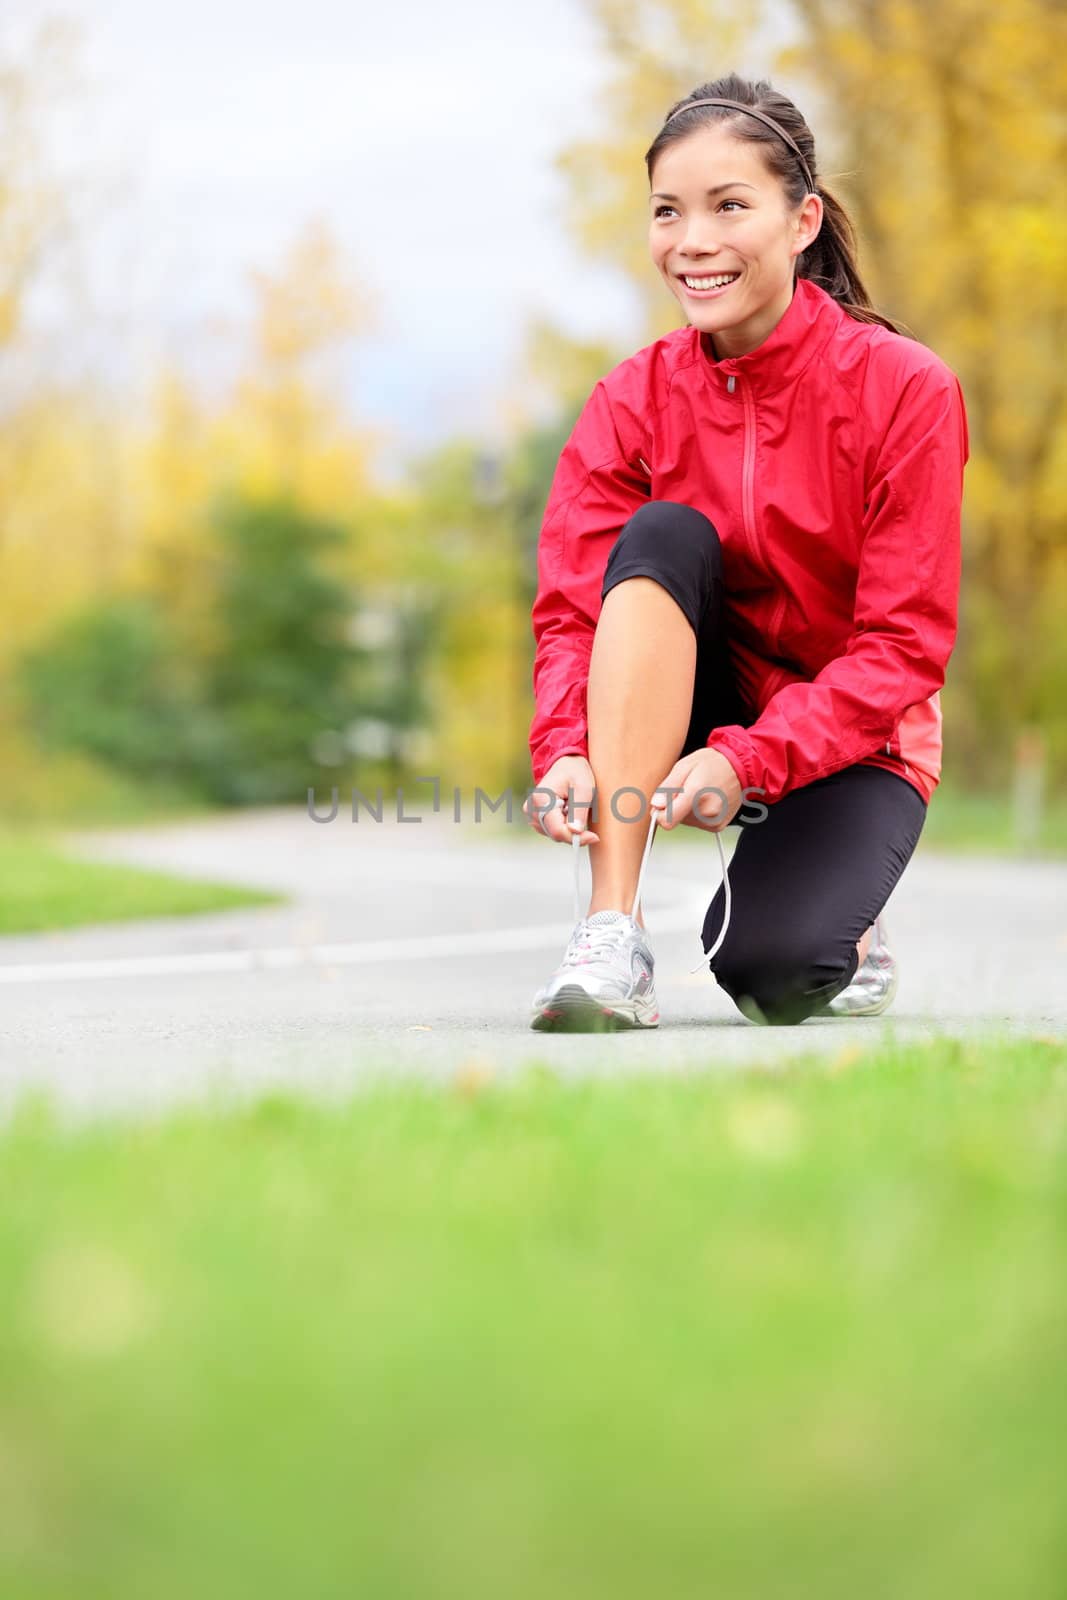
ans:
(712, 283)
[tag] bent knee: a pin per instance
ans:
(659, 525)
(779, 982)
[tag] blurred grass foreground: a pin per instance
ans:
(797, 1332)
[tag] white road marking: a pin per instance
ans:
(491, 941)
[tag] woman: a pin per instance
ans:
(748, 587)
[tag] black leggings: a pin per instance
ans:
(808, 879)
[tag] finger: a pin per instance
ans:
(574, 816)
(534, 817)
(577, 820)
(553, 823)
(679, 811)
(711, 810)
(667, 797)
(577, 804)
(584, 835)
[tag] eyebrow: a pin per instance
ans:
(735, 183)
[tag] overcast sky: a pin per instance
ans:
(422, 134)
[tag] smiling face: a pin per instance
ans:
(742, 228)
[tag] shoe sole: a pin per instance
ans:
(573, 1010)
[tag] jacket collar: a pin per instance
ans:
(801, 332)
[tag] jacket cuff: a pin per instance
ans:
(735, 744)
(542, 764)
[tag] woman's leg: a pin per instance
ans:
(806, 883)
(638, 699)
(661, 599)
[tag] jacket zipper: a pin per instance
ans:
(748, 501)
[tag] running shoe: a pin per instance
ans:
(605, 981)
(872, 989)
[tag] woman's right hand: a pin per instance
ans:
(569, 773)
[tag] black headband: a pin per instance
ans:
(738, 106)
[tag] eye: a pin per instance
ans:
(660, 209)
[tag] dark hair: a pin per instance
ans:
(830, 259)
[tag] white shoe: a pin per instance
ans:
(606, 978)
(873, 988)
(604, 982)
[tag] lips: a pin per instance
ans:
(709, 294)
(723, 272)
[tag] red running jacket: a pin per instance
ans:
(830, 459)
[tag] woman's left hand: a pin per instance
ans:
(701, 769)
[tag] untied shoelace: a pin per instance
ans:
(576, 853)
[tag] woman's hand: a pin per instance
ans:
(568, 773)
(701, 769)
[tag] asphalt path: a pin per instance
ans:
(416, 947)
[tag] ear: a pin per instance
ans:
(808, 222)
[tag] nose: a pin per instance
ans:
(698, 255)
(699, 241)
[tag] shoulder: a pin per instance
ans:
(618, 415)
(903, 394)
(637, 389)
(640, 384)
(887, 369)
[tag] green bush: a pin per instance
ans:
(285, 672)
(111, 682)
(239, 719)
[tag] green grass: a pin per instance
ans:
(787, 1333)
(43, 888)
(973, 820)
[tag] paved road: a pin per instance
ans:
(415, 947)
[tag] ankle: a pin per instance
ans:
(607, 905)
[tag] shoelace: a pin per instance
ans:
(576, 850)
(589, 938)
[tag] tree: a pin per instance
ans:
(37, 207)
(287, 400)
(110, 682)
(285, 671)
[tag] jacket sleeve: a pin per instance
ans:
(906, 606)
(597, 487)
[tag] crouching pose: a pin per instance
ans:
(748, 580)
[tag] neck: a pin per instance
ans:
(747, 336)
